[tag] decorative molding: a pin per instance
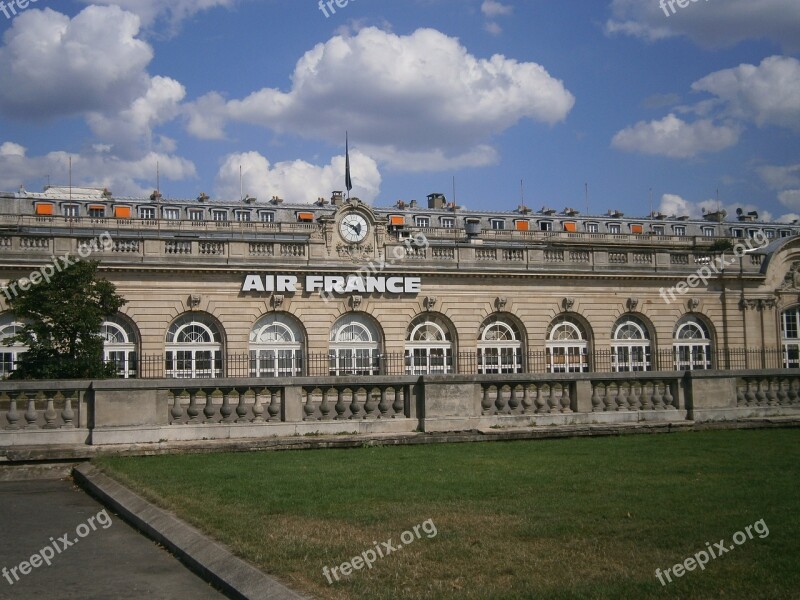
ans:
(632, 304)
(791, 281)
(500, 303)
(567, 304)
(355, 252)
(693, 304)
(276, 301)
(355, 302)
(194, 301)
(429, 302)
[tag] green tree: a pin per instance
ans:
(62, 320)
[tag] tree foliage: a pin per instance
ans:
(62, 320)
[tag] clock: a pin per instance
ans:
(353, 228)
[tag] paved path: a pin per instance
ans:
(111, 563)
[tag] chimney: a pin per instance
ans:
(337, 198)
(436, 201)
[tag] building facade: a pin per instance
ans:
(270, 289)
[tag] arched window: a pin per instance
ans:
(355, 346)
(630, 346)
(276, 347)
(567, 348)
(790, 337)
(193, 348)
(692, 345)
(9, 355)
(429, 346)
(120, 344)
(499, 347)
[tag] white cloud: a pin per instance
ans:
(710, 24)
(96, 169)
(493, 28)
(133, 125)
(676, 138)
(296, 181)
(172, 10)
(780, 177)
(674, 205)
(767, 94)
(419, 93)
(52, 66)
(492, 8)
(790, 199)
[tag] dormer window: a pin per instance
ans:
(592, 228)
(447, 222)
(70, 211)
(614, 228)
(266, 216)
(658, 230)
(498, 224)
(97, 211)
(422, 221)
(195, 214)
(243, 216)
(170, 213)
(679, 230)
(219, 215)
(708, 231)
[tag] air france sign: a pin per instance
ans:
(333, 284)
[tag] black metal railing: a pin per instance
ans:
(298, 364)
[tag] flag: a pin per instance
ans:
(348, 183)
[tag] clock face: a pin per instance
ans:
(354, 228)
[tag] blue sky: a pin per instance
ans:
(614, 93)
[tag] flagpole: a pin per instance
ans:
(348, 182)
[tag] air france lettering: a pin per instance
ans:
(336, 284)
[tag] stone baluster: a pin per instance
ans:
(761, 394)
(527, 403)
(325, 406)
(609, 398)
(258, 406)
(274, 408)
(541, 405)
(226, 410)
(67, 414)
(658, 396)
(750, 395)
(50, 414)
(308, 407)
(783, 395)
(635, 401)
(647, 396)
(12, 416)
(177, 410)
(399, 405)
(193, 411)
(371, 403)
(772, 392)
(241, 407)
(31, 415)
(209, 411)
(566, 400)
(597, 397)
(340, 407)
(501, 402)
(669, 399)
(513, 399)
(794, 386)
(622, 397)
(741, 387)
(489, 396)
(552, 399)
(355, 407)
(383, 405)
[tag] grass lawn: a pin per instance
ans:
(569, 518)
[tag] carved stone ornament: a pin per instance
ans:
(632, 304)
(355, 252)
(194, 301)
(748, 303)
(355, 302)
(567, 304)
(500, 303)
(692, 304)
(429, 302)
(276, 301)
(791, 280)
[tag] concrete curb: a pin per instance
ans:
(207, 558)
(33, 454)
